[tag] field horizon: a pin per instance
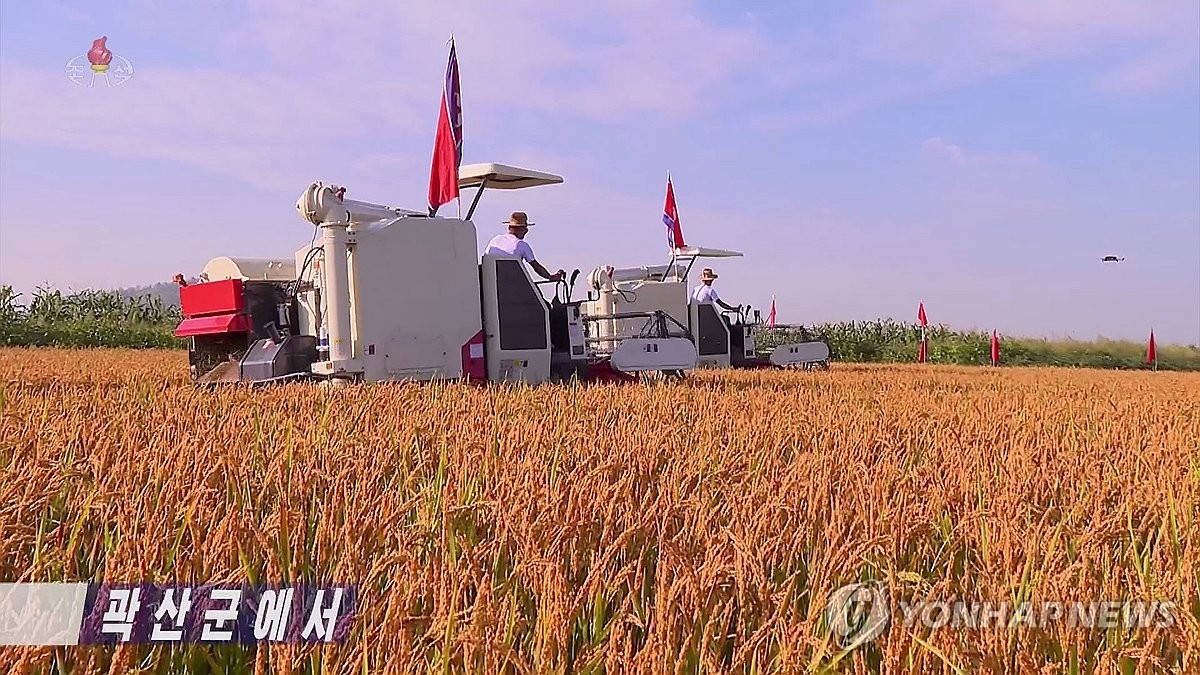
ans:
(114, 319)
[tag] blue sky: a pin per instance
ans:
(978, 156)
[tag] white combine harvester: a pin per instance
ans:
(391, 294)
(619, 298)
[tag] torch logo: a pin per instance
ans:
(99, 64)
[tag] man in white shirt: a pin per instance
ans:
(705, 294)
(513, 243)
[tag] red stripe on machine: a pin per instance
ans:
(473, 364)
(210, 325)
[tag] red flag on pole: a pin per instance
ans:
(447, 145)
(1152, 351)
(771, 316)
(995, 349)
(671, 219)
(923, 347)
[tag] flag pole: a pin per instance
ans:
(459, 199)
(674, 248)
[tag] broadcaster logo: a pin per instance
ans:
(858, 613)
(861, 612)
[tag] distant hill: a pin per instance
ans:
(166, 291)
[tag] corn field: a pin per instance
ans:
(697, 526)
(890, 341)
(87, 318)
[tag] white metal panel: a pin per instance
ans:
(415, 356)
(414, 296)
(800, 352)
(510, 365)
(642, 354)
(249, 269)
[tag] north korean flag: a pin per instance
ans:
(671, 219)
(447, 145)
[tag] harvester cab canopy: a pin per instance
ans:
(689, 255)
(500, 177)
(701, 252)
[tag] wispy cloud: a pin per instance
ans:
(942, 151)
(968, 196)
(1149, 73)
(272, 90)
(892, 52)
(255, 127)
(269, 89)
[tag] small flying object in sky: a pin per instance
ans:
(1111, 258)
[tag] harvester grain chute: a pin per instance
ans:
(392, 294)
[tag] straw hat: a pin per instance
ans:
(707, 274)
(518, 219)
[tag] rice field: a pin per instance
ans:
(694, 527)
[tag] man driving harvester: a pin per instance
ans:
(705, 294)
(513, 243)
